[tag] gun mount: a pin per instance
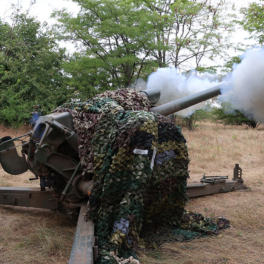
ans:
(51, 153)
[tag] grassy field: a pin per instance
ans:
(40, 236)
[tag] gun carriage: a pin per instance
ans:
(51, 153)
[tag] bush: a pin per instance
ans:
(190, 122)
(227, 116)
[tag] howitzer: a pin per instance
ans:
(51, 153)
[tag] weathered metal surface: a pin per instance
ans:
(69, 183)
(60, 163)
(69, 135)
(202, 189)
(83, 244)
(153, 95)
(84, 188)
(52, 136)
(28, 197)
(175, 106)
(10, 160)
(213, 179)
(237, 173)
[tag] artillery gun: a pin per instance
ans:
(51, 153)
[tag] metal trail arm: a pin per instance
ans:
(84, 249)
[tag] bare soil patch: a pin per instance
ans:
(42, 236)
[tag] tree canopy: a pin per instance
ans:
(253, 21)
(30, 69)
(119, 41)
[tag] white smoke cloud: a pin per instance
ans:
(245, 91)
(174, 86)
(139, 85)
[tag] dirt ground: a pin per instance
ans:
(42, 236)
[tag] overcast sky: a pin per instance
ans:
(43, 9)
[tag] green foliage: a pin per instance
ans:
(227, 116)
(209, 69)
(191, 121)
(196, 31)
(121, 40)
(228, 67)
(30, 70)
(116, 39)
(202, 115)
(253, 21)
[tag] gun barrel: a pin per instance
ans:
(185, 102)
(153, 95)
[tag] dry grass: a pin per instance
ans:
(31, 235)
(34, 236)
(40, 236)
(214, 150)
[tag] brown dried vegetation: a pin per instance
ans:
(41, 236)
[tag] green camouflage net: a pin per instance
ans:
(139, 164)
(193, 225)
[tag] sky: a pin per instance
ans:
(42, 10)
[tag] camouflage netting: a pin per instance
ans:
(139, 164)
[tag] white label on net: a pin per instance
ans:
(153, 158)
(140, 151)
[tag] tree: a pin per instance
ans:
(253, 21)
(194, 32)
(30, 69)
(121, 40)
(116, 39)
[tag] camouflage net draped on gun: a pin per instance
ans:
(139, 164)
